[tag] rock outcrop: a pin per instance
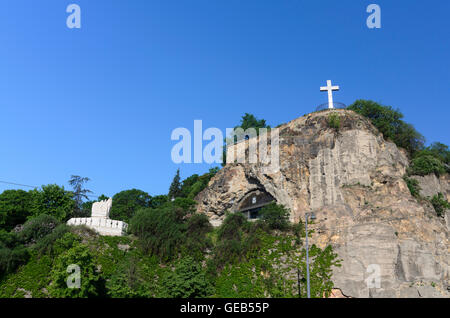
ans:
(352, 179)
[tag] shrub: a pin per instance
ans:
(334, 121)
(52, 243)
(413, 186)
(130, 281)
(11, 258)
(188, 280)
(38, 227)
(197, 242)
(275, 216)
(440, 204)
(425, 165)
(162, 231)
(90, 282)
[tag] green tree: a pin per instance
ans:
(79, 193)
(52, 200)
(389, 122)
(14, 208)
(194, 184)
(175, 186)
(275, 216)
(188, 280)
(90, 283)
(250, 121)
(126, 203)
(247, 121)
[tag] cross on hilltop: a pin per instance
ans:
(330, 90)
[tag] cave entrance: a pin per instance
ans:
(253, 202)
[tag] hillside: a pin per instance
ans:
(353, 180)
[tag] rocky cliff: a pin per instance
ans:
(352, 179)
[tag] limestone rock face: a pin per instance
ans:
(353, 180)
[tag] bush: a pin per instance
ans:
(90, 282)
(163, 231)
(130, 281)
(38, 227)
(413, 186)
(197, 242)
(236, 238)
(275, 216)
(334, 121)
(389, 122)
(188, 280)
(11, 258)
(49, 243)
(440, 204)
(426, 164)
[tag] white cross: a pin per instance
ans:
(330, 90)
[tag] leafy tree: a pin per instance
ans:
(188, 280)
(79, 193)
(52, 200)
(275, 216)
(389, 122)
(126, 203)
(250, 121)
(175, 186)
(194, 184)
(14, 208)
(90, 280)
(247, 121)
(159, 200)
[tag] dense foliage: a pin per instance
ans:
(334, 121)
(389, 122)
(440, 204)
(126, 203)
(14, 208)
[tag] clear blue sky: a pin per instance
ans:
(102, 101)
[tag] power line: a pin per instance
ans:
(35, 187)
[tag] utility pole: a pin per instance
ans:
(312, 216)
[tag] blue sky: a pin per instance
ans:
(103, 100)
